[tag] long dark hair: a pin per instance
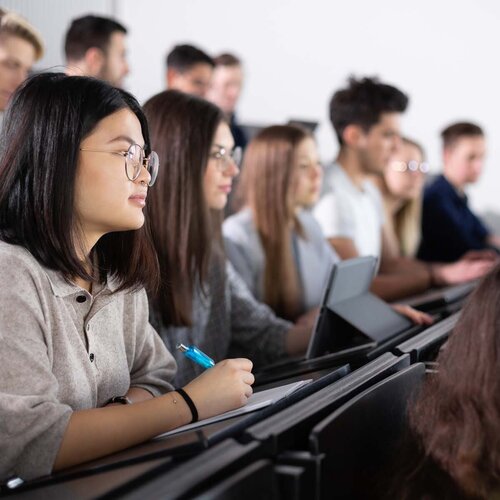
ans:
(457, 416)
(266, 186)
(48, 118)
(182, 131)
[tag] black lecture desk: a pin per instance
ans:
(164, 453)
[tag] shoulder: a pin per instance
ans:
(16, 262)
(335, 177)
(373, 190)
(310, 225)
(24, 283)
(326, 204)
(240, 226)
(374, 193)
(437, 188)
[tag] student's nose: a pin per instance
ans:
(317, 171)
(396, 143)
(232, 170)
(144, 176)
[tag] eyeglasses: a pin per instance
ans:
(134, 161)
(411, 166)
(225, 157)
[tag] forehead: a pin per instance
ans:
(469, 143)
(223, 73)
(411, 151)
(306, 148)
(199, 71)
(120, 123)
(389, 121)
(223, 136)
(18, 49)
(117, 41)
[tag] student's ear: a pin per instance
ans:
(354, 135)
(171, 76)
(447, 152)
(94, 60)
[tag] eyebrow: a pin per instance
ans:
(125, 138)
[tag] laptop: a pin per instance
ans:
(350, 323)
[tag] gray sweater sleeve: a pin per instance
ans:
(257, 333)
(32, 420)
(148, 368)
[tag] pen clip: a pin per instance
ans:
(181, 347)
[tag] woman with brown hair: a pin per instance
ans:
(274, 242)
(201, 299)
(456, 419)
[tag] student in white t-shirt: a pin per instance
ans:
(366, 118)
(351, 212)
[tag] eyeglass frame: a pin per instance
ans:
(410, 166)
(224, 158)
(144, 163)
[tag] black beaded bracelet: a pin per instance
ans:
(189, 402)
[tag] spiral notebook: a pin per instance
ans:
(255, 402)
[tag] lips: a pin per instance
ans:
(139, 199)
(226, 189)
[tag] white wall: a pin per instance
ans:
(52, 18)
(296, 52)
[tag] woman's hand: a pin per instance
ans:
(224, 387)
(308, 318)
(417, 317)
(469, 267)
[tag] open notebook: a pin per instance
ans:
(256, 401)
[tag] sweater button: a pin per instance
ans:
(92, 357)
(81, 299)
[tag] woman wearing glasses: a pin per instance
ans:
(82, 373)
(401, 187)
(274, 243)
(201, 299)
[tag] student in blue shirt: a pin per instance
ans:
(449, 227)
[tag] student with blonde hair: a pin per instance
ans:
(20, 47)
(401, 186)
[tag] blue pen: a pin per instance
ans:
(194, 354)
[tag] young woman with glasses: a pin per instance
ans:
(82, 373)
(401, 187)
(201, 299)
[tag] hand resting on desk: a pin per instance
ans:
(417, 317)
(96, 432)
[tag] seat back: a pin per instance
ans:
(357, 440)
(257, 480)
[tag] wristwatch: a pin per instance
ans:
(119, 399)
